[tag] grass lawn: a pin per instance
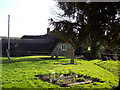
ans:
(20, 72)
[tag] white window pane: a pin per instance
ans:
(63, 47)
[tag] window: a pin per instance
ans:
(63, 47)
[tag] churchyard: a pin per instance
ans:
(44, 72)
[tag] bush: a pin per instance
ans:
(87, 54)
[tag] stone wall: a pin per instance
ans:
(69, 52)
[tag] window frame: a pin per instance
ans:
(63, 47)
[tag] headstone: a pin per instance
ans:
(105, 58)
(109, 58)
(115, 57)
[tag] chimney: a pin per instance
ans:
(48, 30)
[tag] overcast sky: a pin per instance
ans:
(27, 17)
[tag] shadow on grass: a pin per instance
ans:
(13, 60)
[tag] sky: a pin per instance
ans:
(27, 17)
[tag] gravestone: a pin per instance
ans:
(104, 58)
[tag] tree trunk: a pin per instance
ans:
(56, 57)
(72, 61)
(95, 50)
(52, 57)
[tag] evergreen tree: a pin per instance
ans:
(93, 22)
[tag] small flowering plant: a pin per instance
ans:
(62, 78)
(52, 73)
(70, 70)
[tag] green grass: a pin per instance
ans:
(20, 72)
(111, 66)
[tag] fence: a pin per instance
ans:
(25, 53)
(31, 53)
